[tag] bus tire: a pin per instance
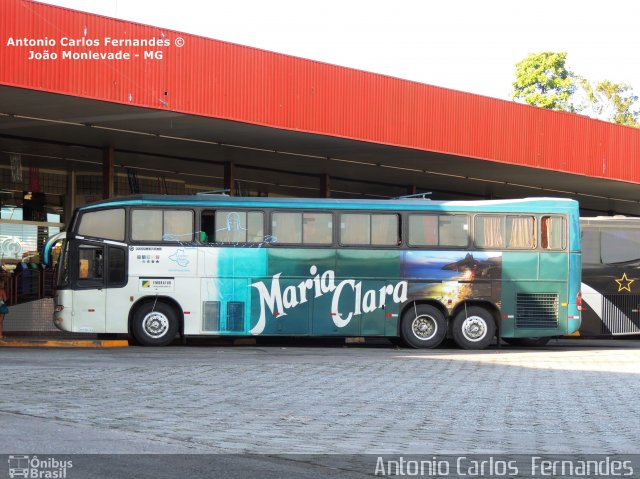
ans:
(528, 342)
(155, 325)
(423, 327)
(473, 328)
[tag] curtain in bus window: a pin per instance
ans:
(255, 227)
(355, 229)
(545, 232)
(423, 230)
(552, 232)
(453, 230)
(316, 228)
(521, 230)
(384, 230)
(178, 226)
(286, 227)
(489, 232)
(146, 225)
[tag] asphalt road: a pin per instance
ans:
(312, 409)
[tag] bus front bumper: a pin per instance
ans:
(62, 311)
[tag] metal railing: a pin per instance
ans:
(29, 284)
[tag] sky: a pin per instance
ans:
(467, 45)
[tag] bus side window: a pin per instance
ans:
(317, 228)
(355, 228)
(369, 229)
(286, 227)
(620, 245)
(489, 231)
(423, 230)
(453, 230)
(552, 232)
(385, 230)
(161, 225)
(238, 226)
(177, 225)
(207, 226)
(116, 271)
(521, 232)
(590, 246)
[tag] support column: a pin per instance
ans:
(107, 172)
(70, 196)
(411, 190)
(230, 178)
(325, 186)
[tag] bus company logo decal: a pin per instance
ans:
(279, 301)
(156, 284)
(40, 468)
(180, 258)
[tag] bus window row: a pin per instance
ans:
(610, 245)
(490, 231)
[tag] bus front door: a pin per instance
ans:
(89, 293)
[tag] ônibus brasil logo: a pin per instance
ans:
(32, 467)
(278, 301)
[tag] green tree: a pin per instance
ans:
(542, 79)
(614, 102)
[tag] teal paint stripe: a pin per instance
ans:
(496, 206)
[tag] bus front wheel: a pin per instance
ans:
(423, 326)
(155, 324)
(473, 328)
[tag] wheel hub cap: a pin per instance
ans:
(424, 327)
(155, 324)
(474, 328)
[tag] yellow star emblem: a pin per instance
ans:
(624, 283)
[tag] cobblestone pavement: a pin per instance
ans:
(570, 397)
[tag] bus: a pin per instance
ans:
(610, 276)
(412, 269)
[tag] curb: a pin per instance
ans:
(63, 343)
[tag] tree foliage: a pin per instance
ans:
(543, 79)
(614, 102)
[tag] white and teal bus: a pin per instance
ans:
(156, 267)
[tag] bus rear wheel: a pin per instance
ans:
(473, 328)
(423, 327)
(155, 324)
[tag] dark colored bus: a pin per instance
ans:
(610, 276)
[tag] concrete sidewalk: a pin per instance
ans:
(51, 342)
